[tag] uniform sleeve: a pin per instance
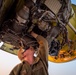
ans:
(4, 9)
(43, 48)
(21, 69)
(16, 69)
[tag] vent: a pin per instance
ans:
(53, 5)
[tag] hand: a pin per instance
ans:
(34, 34)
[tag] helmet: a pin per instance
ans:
(28, 41)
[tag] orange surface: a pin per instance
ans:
(63, 57)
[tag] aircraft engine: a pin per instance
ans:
(49, 19)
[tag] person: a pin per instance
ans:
(33, 65)
(19, 12)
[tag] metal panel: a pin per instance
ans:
(53, 5)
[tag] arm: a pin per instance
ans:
(21, 69)
(43, 46)
(16, 69)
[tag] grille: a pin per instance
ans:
(53, 5)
